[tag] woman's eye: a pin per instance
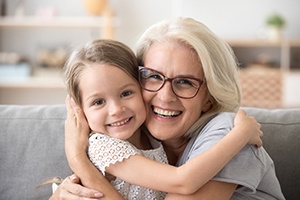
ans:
(99, 102)
(126, 93)
(155, 76)
(183, 82)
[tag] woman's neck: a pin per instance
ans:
(140, 140)
(174, 149)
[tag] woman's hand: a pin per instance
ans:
(71, 189)
(76, 143)
(76, 132)
(249, 126)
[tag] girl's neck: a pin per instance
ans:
(174, 149)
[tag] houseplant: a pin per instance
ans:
(275, 24)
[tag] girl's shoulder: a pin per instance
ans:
(104, 150)
(98, 140)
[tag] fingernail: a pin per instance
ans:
(72, 101)
(98, 194)
(72, 177)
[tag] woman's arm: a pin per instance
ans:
(76, 134)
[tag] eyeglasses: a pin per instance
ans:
(183, 86)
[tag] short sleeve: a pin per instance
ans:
(245, 169)
(104, 150)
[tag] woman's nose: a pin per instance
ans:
(166, 93)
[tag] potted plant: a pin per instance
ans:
(275, 23)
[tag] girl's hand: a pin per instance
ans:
(76, 131)
(71, 189)
(249, 126)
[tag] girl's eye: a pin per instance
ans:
(126, 93)
(99, 102)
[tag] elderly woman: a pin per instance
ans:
(187, 125)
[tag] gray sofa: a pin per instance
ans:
(32, 148)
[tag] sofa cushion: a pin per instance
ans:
(281, 139)
(31, 150)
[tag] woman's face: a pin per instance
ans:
(169, 116)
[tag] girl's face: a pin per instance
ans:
(111, 100)
(170, 117)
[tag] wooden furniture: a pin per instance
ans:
(266, 68)
(105, 23)
(46, 85)
(262, 86)
(284, 54)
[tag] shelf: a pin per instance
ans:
(263, 43)
(283, 53)
(71, 22)
(32, 82)
(40, 78)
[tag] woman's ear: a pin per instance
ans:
(208, 104)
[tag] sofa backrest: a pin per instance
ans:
(31, 150)
(281, 139)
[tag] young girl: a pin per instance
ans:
(102, 78)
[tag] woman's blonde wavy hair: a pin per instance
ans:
(216, 56)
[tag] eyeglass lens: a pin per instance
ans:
(184, 87)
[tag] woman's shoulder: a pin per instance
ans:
(221, 121)
(224, 116)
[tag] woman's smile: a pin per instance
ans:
(165, 113)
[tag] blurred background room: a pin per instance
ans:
(36, 37)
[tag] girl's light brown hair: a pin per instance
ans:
(101, 52)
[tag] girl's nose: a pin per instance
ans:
(116, 108)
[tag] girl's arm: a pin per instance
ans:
(183, 180)
(191, 176)
(215, 190)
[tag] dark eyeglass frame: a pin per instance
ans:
(200, 81)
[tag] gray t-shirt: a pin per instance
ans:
(252, 168)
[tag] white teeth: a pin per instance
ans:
(120, 123)
(165, 112)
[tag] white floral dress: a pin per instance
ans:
(104, 150)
